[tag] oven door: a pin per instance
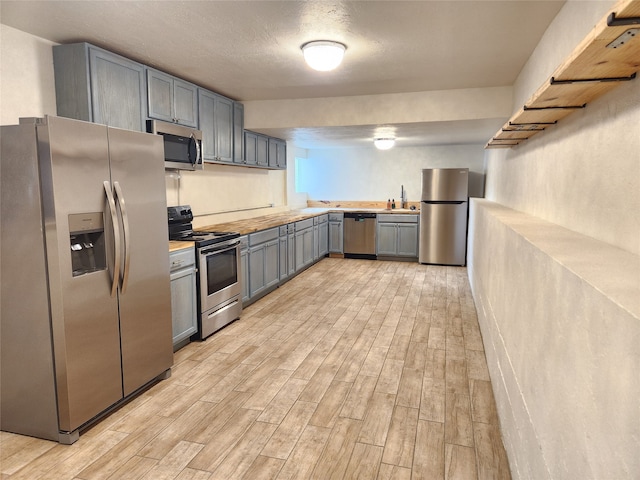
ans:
(219, 273)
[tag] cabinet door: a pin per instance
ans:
(206, 114)
(224, 129)
(244, 265)
(308, 247)
(299, 236)
(262, 149)
(271, 263)
(185, 103)
(273, 152)
(118, 91)
(284, 257)
(316, 242)
(323, 239)
(256, 270)
(183, 304)
(250, 148)
(387, 239)
(281, 154)
(160, 93)
(291, 254)
(335, 237)
(408, 239)
(238, 132)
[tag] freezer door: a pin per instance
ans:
(137, 173)
(445, 184)
(74, 164)
(443, 233)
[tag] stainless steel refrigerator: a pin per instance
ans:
(85, 292)
(443, 216)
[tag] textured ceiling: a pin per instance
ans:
(250, 50)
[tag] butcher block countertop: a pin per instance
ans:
(175, 245)
(251, 225)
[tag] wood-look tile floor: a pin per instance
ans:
(354, 369)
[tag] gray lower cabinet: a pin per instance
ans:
(216, 121)
(183, 295)
(336, 233)
(320, 236)
(397, 235)
(323, 235)
(244, 266)
(304, 243)
(171, 99)
(98, 86)
(287, 251)
(263, 261)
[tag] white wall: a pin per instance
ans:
(369, 174)
(556, 277)
(27, 87)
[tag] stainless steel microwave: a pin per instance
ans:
(182, 145)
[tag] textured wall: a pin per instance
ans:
(27, 88)
(560, 320)
(370, 174)
(561, 342)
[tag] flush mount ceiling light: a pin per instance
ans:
(323, 55)
(384, 143)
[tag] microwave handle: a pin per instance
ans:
(196, 160)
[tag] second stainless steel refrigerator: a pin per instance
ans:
(443, 216)
(85, 310)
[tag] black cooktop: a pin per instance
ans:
(180, 228)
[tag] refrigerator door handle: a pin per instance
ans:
(116, 237)
(126, 233)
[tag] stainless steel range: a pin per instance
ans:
(219, 279)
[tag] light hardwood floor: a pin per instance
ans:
(354, 369)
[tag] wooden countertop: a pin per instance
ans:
(251, 225)
(175, 245)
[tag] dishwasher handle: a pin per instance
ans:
(359, 216)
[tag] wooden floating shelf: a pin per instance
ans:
(594, 68)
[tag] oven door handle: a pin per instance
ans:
(219, 249)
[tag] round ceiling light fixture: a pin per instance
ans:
(323, 55)
(384, 143)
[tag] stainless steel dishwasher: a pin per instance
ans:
(360, 235)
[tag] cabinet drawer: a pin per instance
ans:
(284, 229)
(182, 259)
(336, 217)
(244, 242)
(397, 218)
(263, 236)
(323, 219)
(302, 224)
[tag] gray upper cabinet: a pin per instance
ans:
(171, 99)
(238, 133)
(250, 148)
(281, 154)
(98, 86)
(277, 153)
(262, 149)
(216, 124)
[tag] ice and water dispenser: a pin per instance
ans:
(86, 238)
